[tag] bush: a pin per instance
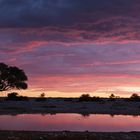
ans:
(15, 97)
(87, 98)
(41, 97)
(112, 97)
(23, 98)
(96, 99)
(135, 97)
(12, 95)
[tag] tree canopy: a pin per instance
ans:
(12, 77)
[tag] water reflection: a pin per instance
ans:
(85, 115)
(70, 122)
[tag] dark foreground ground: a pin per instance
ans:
(23, 135)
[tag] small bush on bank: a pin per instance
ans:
(88, 98)
(85, 97)
(14, 96)
(96, 99)
(134, 97)
(112, 97)
(23, 98)
(41, 97)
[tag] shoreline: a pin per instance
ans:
(69, 135)
(64, 105)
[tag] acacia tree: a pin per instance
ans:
(12, 77)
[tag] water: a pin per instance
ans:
(70, 122)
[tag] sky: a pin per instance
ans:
(71, 47)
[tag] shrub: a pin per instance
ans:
(112, 97)
(135, 97)
(12, 95)
(15, 97)
(23, 98)
(85, 97)
(96, 99)
(41, 97)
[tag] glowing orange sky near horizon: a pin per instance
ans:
(66, 86)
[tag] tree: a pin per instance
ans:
(85, 97)
(42, 95)
(12, 77)
(112, 96)
(13, 95)
(135, 97)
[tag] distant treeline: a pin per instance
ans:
(112, 97)
(14, 96)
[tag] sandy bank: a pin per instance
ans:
(58, 105)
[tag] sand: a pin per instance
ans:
(63, 105)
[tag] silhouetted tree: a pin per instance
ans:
(135, 97)
(13, 95)
(85, 97)
(112, 97)
(12, 78)
(42, 95)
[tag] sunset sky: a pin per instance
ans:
(71, 47)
